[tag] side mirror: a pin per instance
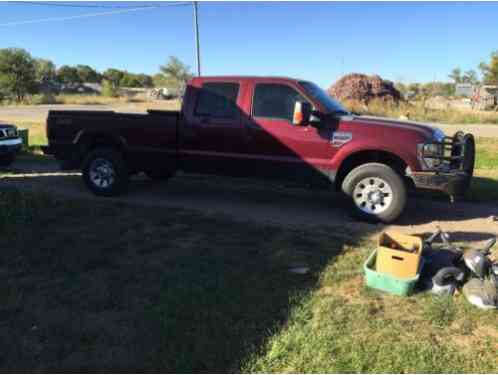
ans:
(302, 114)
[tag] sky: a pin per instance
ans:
(317, 41)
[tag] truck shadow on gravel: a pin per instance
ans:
(110, 287)
(259, 201)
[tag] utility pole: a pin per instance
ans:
(197, 43)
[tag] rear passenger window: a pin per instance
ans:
(275, 101)
(218, 100)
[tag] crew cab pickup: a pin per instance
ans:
(10, 144)
(270, 128)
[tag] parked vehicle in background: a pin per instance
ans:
(270, 128)
(485, 98)
(10, 144)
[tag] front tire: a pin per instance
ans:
(105, 172)
(377, 192)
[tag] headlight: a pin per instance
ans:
(425, 153)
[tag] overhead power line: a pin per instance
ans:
(88, 15)
(66, 5)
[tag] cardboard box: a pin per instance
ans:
(398, 254)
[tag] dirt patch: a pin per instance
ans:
(475, 337)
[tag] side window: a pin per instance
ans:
(275, 101)
(218, 100)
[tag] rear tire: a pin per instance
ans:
(7, 159)
(105, 172)
(377, 192)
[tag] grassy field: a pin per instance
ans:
(416, 111)
(485, 183)
(111, 287)
(76, 99)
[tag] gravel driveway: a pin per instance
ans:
(249, 200)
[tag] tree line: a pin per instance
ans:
(489, 76)
(489, 73)
(22, 74)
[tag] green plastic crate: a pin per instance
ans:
(386, 282)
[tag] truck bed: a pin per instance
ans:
(151, 133)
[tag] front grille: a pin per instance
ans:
(458, 152)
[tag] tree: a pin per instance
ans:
(46, 74)
(470, 76)
(17, 73)
(145, 80)
(88, 74)
(109, 89)
(456, 75)
(68, 75)
(175, 74)
(490, 71)
(114, 76)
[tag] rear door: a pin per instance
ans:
(280, 148)
(212, 136)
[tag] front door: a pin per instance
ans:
(282, 149)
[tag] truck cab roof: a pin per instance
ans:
(275, 79)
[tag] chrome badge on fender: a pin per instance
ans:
(340, 138)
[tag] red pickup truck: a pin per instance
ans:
(270, 128)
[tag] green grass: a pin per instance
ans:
(485, 182)
(487, 153)
(107, 286)
(37, 132)
(345, 327)
(111, 286)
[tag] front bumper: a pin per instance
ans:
(9, 146)
(454, 173)
(455, 184)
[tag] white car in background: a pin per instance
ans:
(10, 144)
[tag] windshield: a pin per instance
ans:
(331, 105)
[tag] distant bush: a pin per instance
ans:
(109, 89)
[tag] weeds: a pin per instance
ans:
(440, 311)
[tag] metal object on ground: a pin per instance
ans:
(446, 280)
(482, 293)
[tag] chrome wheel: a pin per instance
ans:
(373, 195)
(101, 173)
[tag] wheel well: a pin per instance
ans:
(90, 142)
(371, 156)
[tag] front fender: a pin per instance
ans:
(406, 154)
